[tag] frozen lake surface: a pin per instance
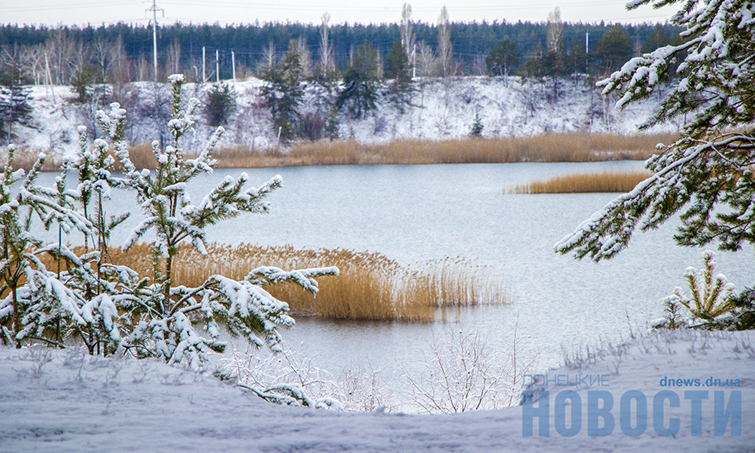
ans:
(418, 213)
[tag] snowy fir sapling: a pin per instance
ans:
(35, 303)
(165, 311)
(711, 293)
(710, 169)
(111, 308)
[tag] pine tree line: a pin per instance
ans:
(122, 53)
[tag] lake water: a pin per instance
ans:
(417, 213)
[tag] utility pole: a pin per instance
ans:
(154, 10)
(233, 66)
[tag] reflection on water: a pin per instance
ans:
(417, 213)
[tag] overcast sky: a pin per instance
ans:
(97, 12)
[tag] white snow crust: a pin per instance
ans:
(443, 108)
(61, 401)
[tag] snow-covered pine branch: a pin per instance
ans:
(708, 170)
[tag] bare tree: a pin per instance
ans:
(427, 64)
(268, 59)
(143, 70)
(555, 31)
(305, 58)
(101, 55)
(118, 74)
(463, 373)
(445, 49)
(327, 62)
(59, 48)
(174, 57)
(407, 34)
(33, 60)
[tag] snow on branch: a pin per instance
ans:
(303, 277)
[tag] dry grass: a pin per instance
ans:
(573, 147)
(25, 158)
(576, 147)
(605, 181)
(370, 286)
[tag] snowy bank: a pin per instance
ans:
(68, 401)
(441, 109)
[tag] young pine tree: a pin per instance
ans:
(283, 92)
(34, 301)
(163, 312)
(401, 86)
(360, 90)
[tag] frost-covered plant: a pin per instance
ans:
(163, 314)
(711, 293)
(33, 300)
(283, 378)
(672, 318)
(290, 378)
(710, 169)
(87, 276)
(464, 374)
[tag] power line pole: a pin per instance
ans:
(154, 10)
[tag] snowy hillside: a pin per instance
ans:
(442, 109)
(61, 401)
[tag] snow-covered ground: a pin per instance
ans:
(442, 109)
(67, 401)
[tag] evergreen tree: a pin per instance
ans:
(164, 316)
(14, 106)
(613, 49)
(503, 59)
(477, 127)
(283, 92)
(32, 297)
(710, 169)
(401, 86)
(656, 40)
(360, 91)
(83, 83)
(220, 104)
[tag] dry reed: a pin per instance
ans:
(574, 147)
(571, 147)
(25, 158)
(605, 181)
(369, 287)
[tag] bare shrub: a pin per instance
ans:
(357, 389)
(463, 373)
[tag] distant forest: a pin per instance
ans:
(125, 51)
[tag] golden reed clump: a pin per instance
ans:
(370, 286)
(605, 181)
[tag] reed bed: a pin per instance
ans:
(574, 147)
(605, 181)
(571, 147)
(369, 287)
